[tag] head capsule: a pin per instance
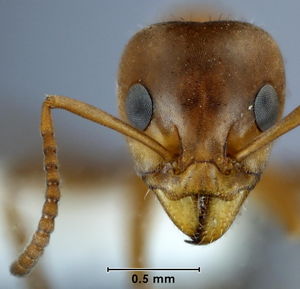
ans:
(203, 91)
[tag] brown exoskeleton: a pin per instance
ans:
(200, 104)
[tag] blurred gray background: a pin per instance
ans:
(72, 48)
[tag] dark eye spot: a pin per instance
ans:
(266, 107)
(139, 106)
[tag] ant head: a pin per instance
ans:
(203, 91)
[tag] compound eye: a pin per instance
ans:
(266, 107)
(139, 106)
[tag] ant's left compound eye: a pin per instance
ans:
(266, 107)
(139, 106)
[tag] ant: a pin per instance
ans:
(200, 105)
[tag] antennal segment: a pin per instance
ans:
(288, 123)
(41, 237)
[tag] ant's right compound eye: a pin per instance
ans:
(139, 106)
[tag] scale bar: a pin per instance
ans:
(108, 269)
